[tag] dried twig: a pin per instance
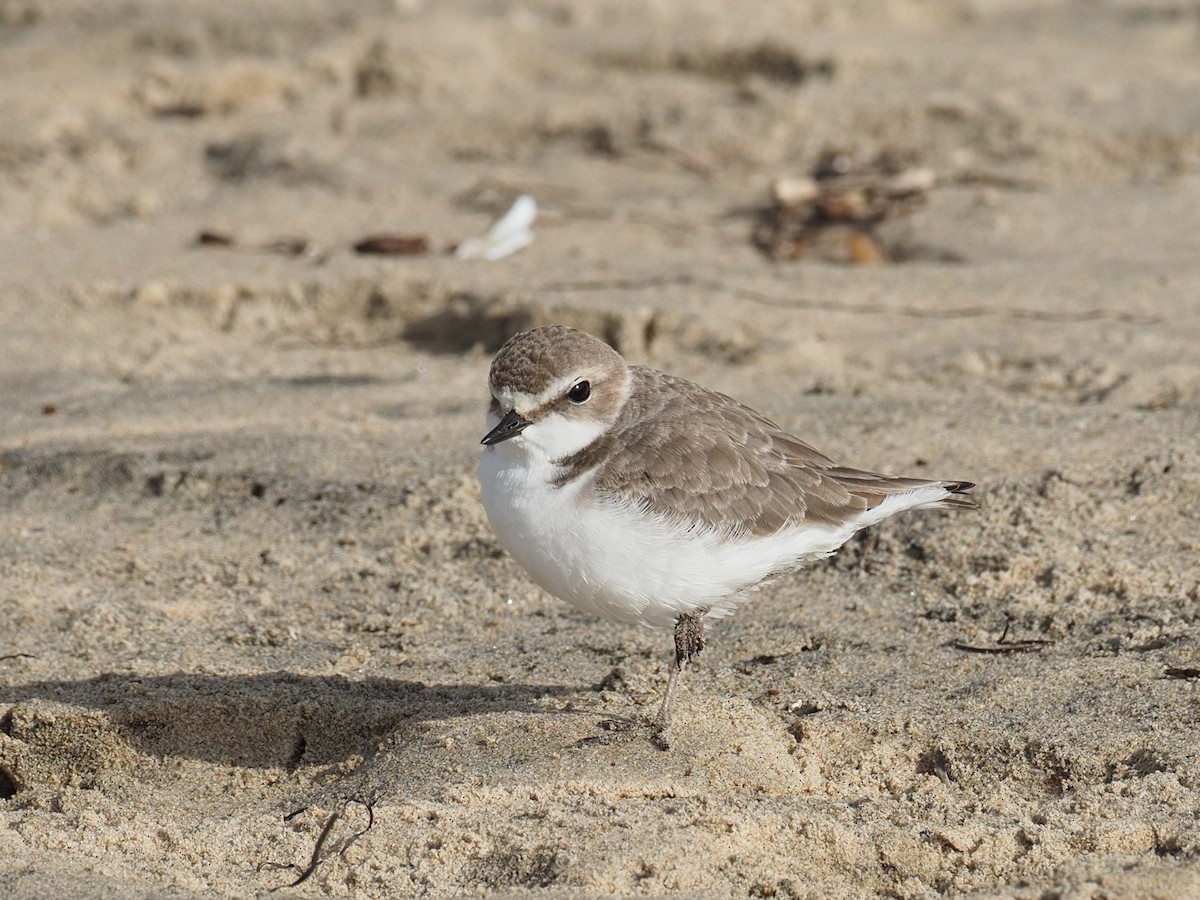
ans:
(326, 830)
(1004, 645)
(1181, 672)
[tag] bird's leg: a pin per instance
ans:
(689, 640)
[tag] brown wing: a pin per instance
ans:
(700, 457)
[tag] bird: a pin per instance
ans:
(644, 498)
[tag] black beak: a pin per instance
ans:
(509, 427)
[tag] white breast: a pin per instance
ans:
(621, 564)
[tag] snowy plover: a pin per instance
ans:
(644, 498)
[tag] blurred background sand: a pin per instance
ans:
(243, 569)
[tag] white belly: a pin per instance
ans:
(626, 566)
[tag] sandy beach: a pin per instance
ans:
(254, 627)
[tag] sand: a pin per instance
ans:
(248, 597)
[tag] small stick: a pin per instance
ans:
(316, 860)
(1003, 645)
(1181, 672)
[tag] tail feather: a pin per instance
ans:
(959, 496)
(875, 488)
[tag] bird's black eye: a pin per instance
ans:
(580, 392)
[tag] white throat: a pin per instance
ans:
(548, 440)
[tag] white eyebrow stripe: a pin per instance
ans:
(555, 389)
(527, 403)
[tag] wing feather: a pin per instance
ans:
(700, 458)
